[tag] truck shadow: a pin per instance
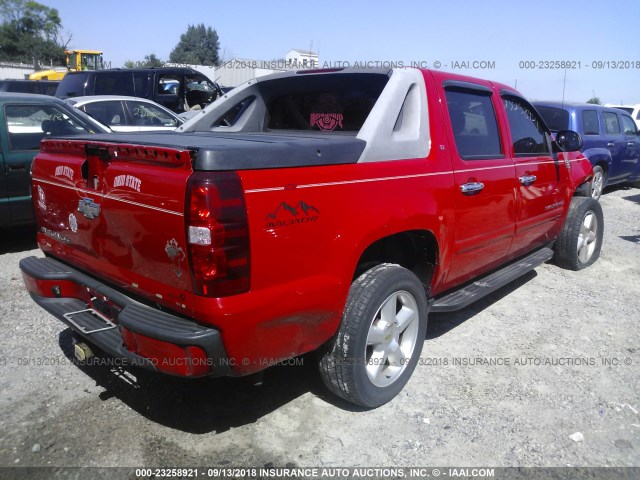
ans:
(442, 323)
(207, 404)
(18, 239)
(218, 404)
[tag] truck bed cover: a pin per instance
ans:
(249, 151)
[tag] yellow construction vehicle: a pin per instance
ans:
(76, 60)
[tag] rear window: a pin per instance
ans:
(23, 87)
(109, 113)
(322, 103)
(611, 123)
(590, 124)
(72, 85)
(555, 118)
(474, 124)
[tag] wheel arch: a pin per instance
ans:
(415, 250)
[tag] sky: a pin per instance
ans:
(512, 42)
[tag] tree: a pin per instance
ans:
(149, 61)
(29, 32)
(199, 45)
(594, 101)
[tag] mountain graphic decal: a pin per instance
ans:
(299, 209)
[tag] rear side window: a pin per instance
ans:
(528, 132)
(108, 113)
(141, 84)
(116, 83)
(474, 124)
(72, 85)
(590, 124)
(556, 118)
(611, 123)
(49, 88)
(628, 125)
(24, 87)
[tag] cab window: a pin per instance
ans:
(528, 131)
(628, 125)
(145, 114)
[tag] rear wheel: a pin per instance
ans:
(380, 338)
(580, 240)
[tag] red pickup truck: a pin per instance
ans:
(325, 210)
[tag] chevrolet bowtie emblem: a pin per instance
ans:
(88, 208)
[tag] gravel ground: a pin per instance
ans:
(505, 382)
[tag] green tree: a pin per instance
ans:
(199, 45)
(594, 101)
(30, 32)
(149, 61)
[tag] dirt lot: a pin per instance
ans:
(505, 382)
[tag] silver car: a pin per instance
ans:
(127, 114)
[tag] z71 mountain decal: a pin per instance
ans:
(285, 215)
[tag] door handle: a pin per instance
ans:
(630, 144)
(610, 144)
(16, 166)
(471, 188)
(527, 179)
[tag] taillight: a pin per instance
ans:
(218, 234)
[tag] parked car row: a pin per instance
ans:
(176, 88)
(611, 141)
(142, 100)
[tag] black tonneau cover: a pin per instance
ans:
(248, 151)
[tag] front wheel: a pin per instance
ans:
(580, 240)
(597, 183)
(380, 338)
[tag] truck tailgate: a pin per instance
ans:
(117, 211)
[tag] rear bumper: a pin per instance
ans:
(134, 333)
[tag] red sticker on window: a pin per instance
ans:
(326, 121)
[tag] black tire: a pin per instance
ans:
(571, 251)
(347, 360)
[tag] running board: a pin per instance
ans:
(485, 285)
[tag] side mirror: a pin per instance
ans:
(568, 141)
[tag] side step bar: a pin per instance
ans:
(464, 296)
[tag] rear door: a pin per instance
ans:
(485, 182)
(109, 112)
(540, 199)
